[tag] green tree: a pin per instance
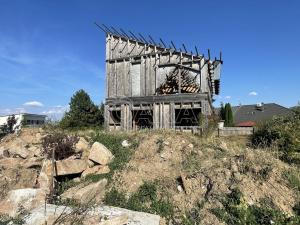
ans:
(83, 112)
(228, 115)
(222, 112)
(11, 122)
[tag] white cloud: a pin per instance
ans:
(253, 93)
(227, 97)
(33, 104)
(11, 111)
(56, 113)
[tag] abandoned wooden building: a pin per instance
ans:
(151, 85)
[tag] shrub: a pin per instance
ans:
(193, 217)
(115, 198)
(292, 178)
(296, 208)
(236, 212)
(4, 220)
(9, 127)
(228, 115)
(145, 199)
(62, 144)
(83, 112)
(282, 132)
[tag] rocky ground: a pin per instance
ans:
(193, 174)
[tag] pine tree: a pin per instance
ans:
(222, 112)
(83, 112)
(228, 115)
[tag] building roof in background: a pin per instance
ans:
(24, 114)
(249, 115)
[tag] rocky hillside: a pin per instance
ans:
(143, 178)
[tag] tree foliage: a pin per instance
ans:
(83, 112)
(282, 132)
(228, 116)
(222, 112)
(9, 127)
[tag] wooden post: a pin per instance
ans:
(52, 179)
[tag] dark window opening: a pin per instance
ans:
(116, 116)
(187, 117)
(142, 119)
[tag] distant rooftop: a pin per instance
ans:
(249, 115)
(27, 114)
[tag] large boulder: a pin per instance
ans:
(82, 145)
(14, 175)
(99, 169)
(18, 148)
(69, 167)
(100, 154)
(93, 192)
(62, 168)
(20, 200)
(103, 215)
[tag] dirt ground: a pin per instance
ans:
(205, 170)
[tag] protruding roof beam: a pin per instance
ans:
(173, 45)
(144, 39)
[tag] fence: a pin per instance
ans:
(232, 131)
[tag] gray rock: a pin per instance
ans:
(85, 194)
(100, 154)
(113, 214)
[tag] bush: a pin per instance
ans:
(9, 127)
(4, 220)
(292, 178)
(236, 212)
(282, 132)
(145, 200)
(115, 198)
(62, 144)
(83, 112)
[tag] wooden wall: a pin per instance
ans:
(123, 57)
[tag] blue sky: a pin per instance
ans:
(50, 49)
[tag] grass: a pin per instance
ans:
(193, 217)
(113, 141)
(236, 211)
(292, 177)
(191, 163)
(4, 220)
(160, 144)
(145, 199)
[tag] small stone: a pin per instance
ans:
(179, 188)
(166, 143)
(125, 144)
(191, 145)
(76, 180)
